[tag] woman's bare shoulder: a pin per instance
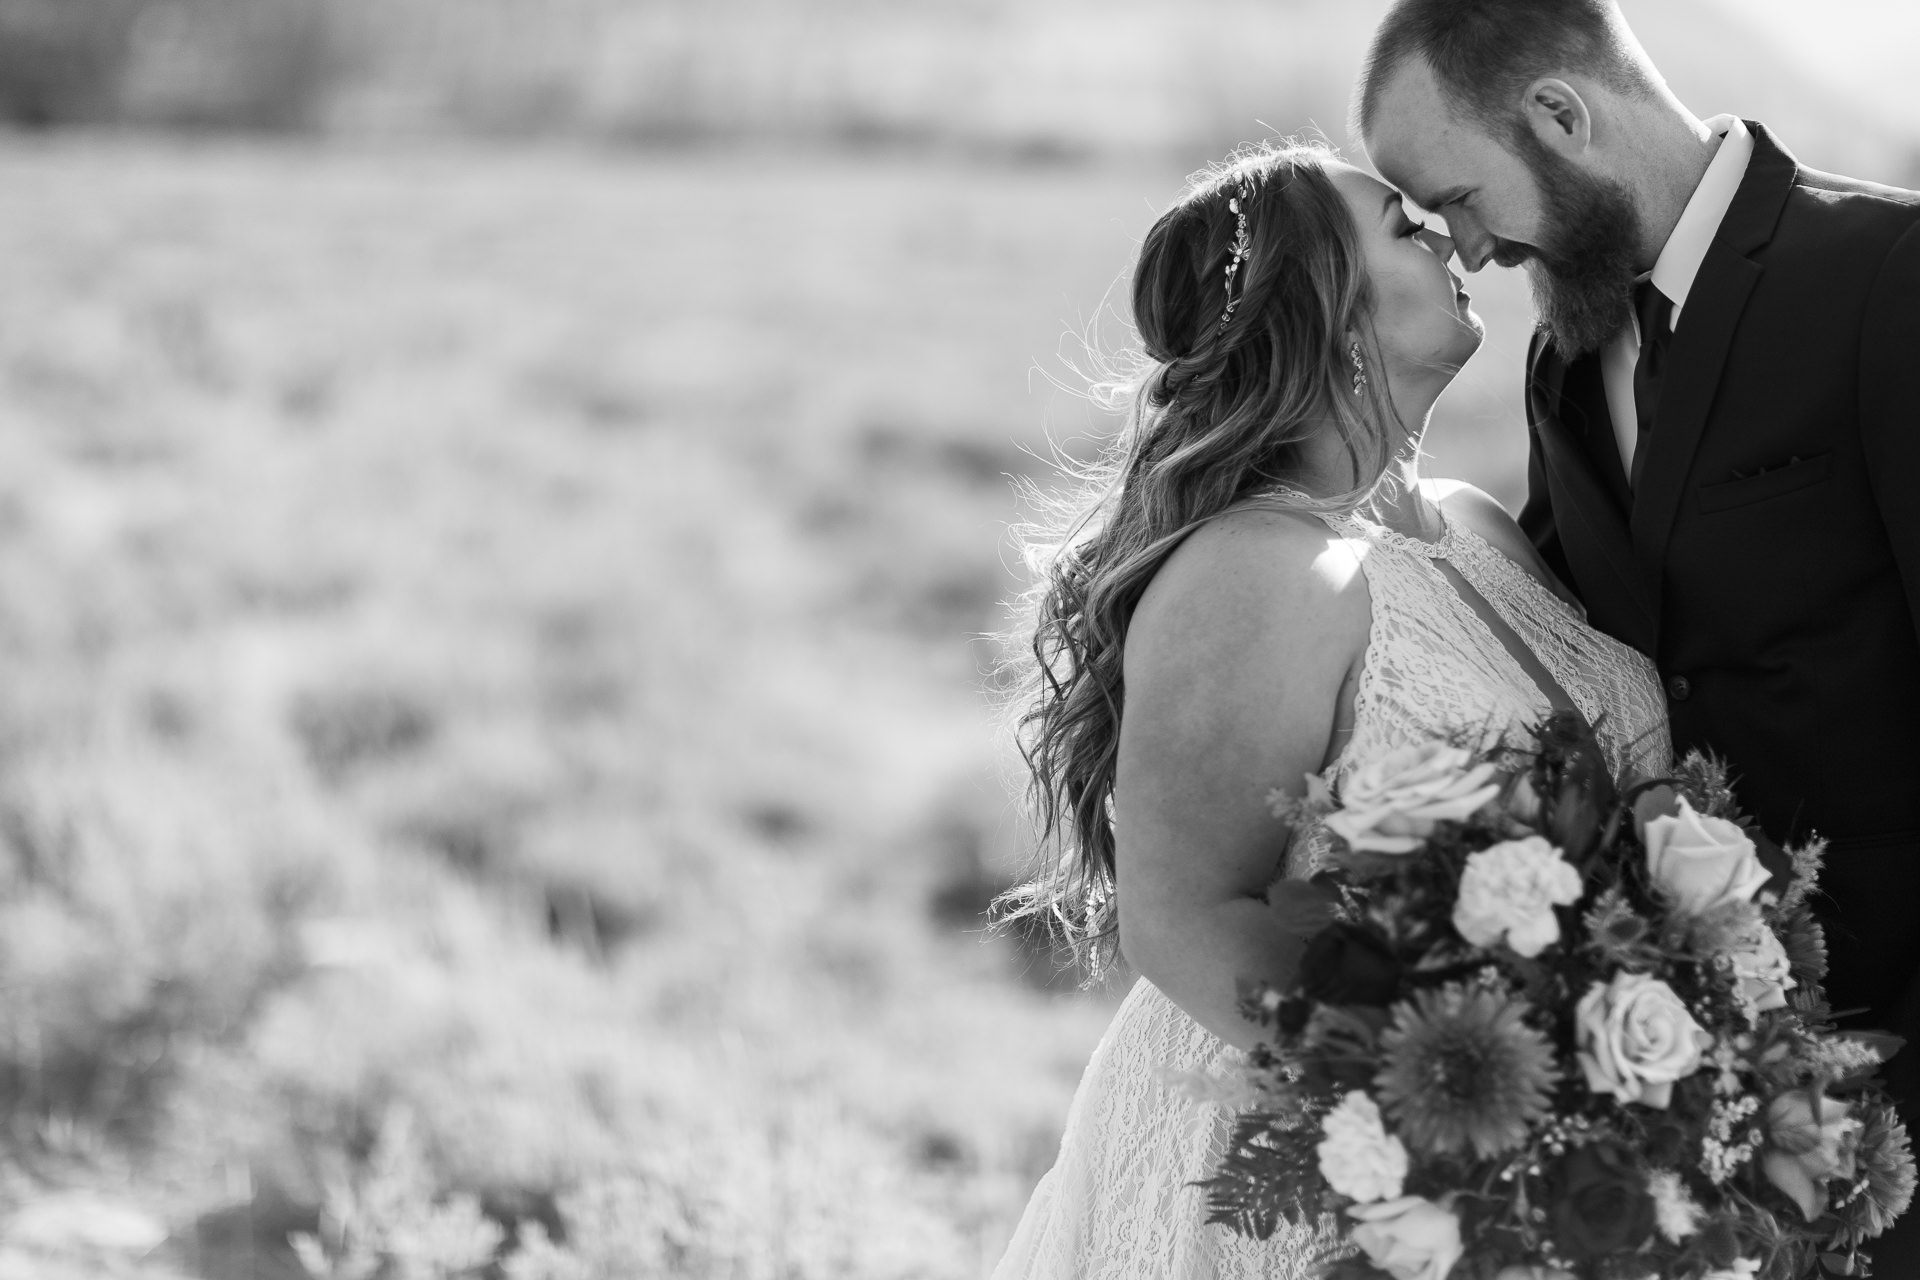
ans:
(1479, 511)
(1250, 585)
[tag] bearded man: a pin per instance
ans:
(1723, 401)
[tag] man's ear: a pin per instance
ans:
(1558, 116)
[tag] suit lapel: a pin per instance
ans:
(1584, 506)
(1701, 341)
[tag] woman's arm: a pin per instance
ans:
(1238, 662)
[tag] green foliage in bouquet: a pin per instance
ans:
(1544, 1025)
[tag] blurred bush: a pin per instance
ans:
(62, 61)
(137, 927)
(1034, 80)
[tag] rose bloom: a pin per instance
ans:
(1742, 1269)
(1701, 862)
(1359, 1158)
(1410, 1238)
(1391, 804)
(1634, 1039)
(1534, 1273)
(1809, 1148)
(1509, 892)
(1600, 1204)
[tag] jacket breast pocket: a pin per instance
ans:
(1778, 482)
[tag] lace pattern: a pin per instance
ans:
(1119, 1202)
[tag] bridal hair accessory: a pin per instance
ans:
(1359, 368)
(1242, 249)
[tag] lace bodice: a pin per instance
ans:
(1119, 1202)
(1433, 664)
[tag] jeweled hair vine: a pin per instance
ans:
(1219, 397)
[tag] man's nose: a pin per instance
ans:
(1473, 247)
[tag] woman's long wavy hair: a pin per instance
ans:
(1216, 420)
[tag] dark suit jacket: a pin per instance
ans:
(1770, 560)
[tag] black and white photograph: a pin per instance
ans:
(959, 639)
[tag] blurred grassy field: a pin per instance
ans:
(496, 645)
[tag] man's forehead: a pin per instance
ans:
(1418, 140)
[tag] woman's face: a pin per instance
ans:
(1422, 322)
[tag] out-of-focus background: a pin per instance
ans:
(501, 508)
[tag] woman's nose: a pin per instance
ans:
(1439, 242)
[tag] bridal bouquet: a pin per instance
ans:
(1548, 1029)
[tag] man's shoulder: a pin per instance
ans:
(1836, 208)
(1832, 189)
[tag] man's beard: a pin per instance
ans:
(1583, 270)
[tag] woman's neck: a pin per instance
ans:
(1400, 504)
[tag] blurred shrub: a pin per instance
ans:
(271, 65)
(342, 729)
(135, 925)
(61, 61)
(383, 1219)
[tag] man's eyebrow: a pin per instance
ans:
(1444, 198)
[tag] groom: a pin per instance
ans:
(1723, 400)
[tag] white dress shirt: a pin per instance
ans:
(1673, 273)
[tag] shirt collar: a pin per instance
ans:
(1679, 262)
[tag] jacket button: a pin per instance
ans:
(1679, 688)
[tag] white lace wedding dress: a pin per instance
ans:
(1118, 1203)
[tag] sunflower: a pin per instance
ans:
(1886, 1167)
(1462, 1069)
(1806, 944)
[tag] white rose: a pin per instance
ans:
(1702, 862)
(1742, 1269)
(1359, 1158)
(1534, 1273)
(1762, 972)
(1409, 1238)
(1634, 1039)
(1391, 804)
(1510, 890)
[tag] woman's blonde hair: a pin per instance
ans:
(1217, 417)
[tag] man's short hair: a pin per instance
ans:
(1485, 53)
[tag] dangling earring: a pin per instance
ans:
(1359, 369)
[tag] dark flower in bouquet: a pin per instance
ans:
(1550, 1025)
(1602, 1203)
(1346, 964)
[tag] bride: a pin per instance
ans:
(1260, 587)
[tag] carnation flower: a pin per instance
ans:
(1886, 1165)
(1463, 1070)
(1676, 1214)
(1508, 893)
(1359, 1158)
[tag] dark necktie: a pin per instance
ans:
(1656, 332)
